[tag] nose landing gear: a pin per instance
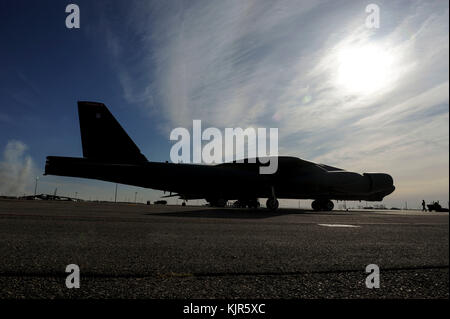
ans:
(272, 202)
(322, 205)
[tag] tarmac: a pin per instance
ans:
(165, 252)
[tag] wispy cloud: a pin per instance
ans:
(276, 64)
(17, 171)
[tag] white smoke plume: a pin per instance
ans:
(16, 169)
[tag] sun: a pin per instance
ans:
(364, 69)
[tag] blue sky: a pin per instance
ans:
(362, 99)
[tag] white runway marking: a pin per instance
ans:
(338, 225)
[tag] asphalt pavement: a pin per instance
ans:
(160, 252)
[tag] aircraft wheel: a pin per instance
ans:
(218, 202)
(272, 204)
(253, 204)
(322, 205)
(328, 205)
(316, 205)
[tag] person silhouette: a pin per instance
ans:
(424, 209)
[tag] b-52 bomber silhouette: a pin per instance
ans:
(110, 155)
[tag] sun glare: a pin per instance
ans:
(364, 69)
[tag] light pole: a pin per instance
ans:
(115, 195)
(135, 195)
(35, 185)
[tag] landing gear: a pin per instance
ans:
(328, 205)
(322, 205)
(243, 203)
(220, 202)
(253, 204)
(272, 203)
(316, 205)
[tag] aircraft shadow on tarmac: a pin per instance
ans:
(241, 213)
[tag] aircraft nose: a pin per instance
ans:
(390, 190)
(381, 182)
(390, 179)
(389, 187)
(390, 182)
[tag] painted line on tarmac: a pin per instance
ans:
(339, 225)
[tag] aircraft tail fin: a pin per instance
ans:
(103, 138)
